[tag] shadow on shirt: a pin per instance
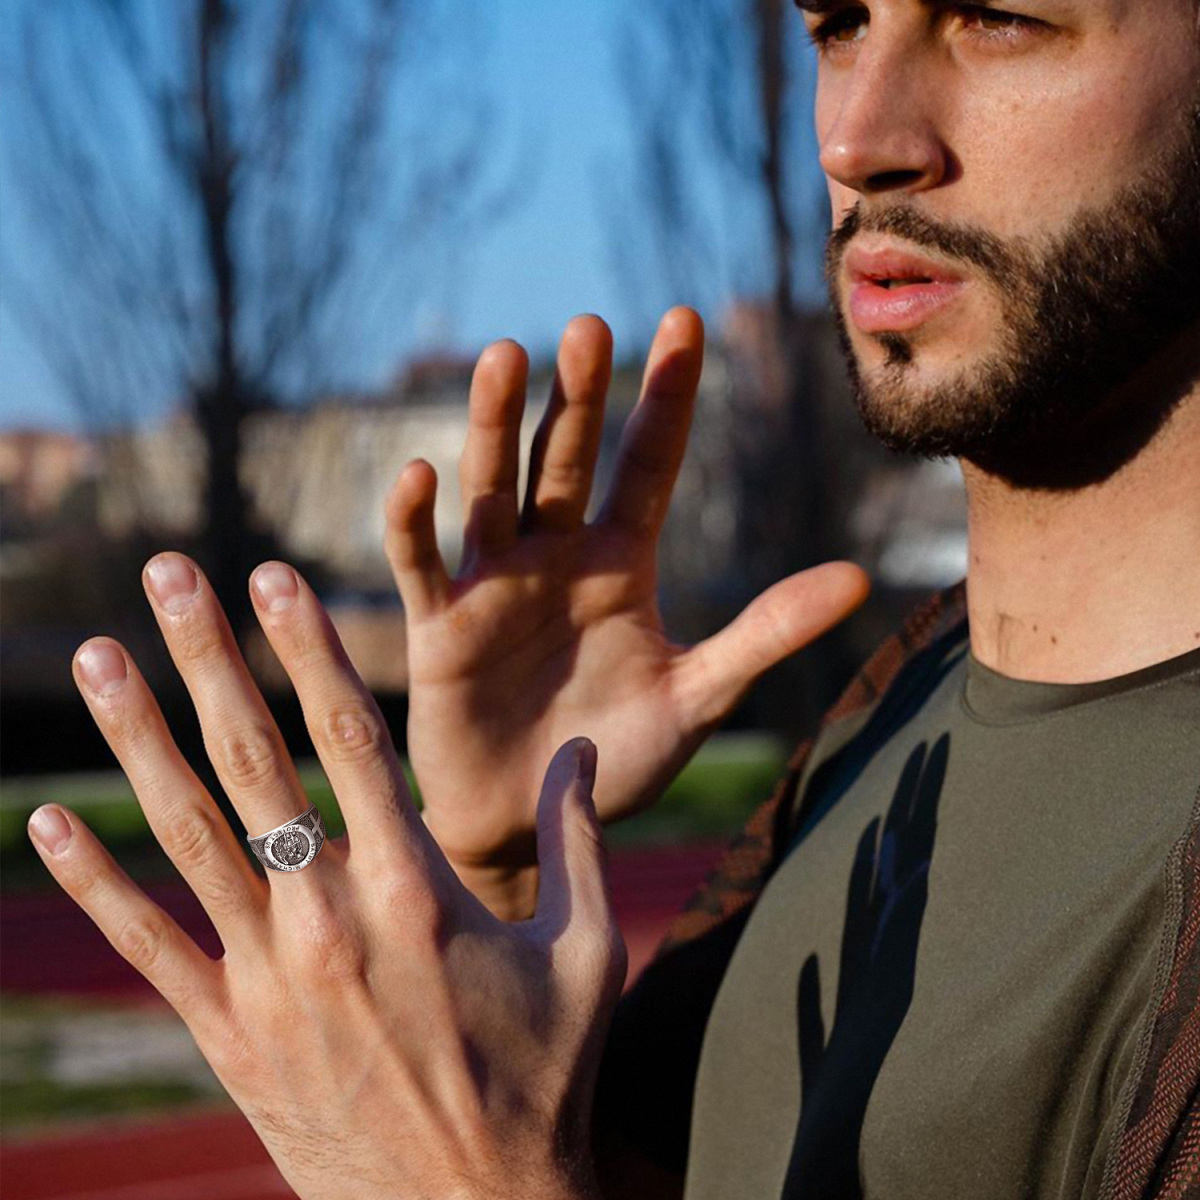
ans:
(884, 910)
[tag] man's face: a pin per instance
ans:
(1016, 203)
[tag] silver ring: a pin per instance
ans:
(292, 845)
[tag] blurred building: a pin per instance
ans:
(317, 477)
(38, 468)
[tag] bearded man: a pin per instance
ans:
(958, 953)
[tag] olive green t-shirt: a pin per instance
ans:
(942, 990)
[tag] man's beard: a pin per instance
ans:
(1082, 314)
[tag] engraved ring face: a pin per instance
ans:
(290, 848)
(293, 845)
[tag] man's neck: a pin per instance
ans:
(1074, 587)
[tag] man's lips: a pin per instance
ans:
(894, 290)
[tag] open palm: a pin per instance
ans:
(551, 628)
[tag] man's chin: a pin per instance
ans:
(981, 417)
(917, 377)
(934, 401)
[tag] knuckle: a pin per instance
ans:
(132, 725)
(193, 842)
(86, 882)
(352, 733)
(189, 838)
(563, 474)
(308, 648)
(221, 895)
(142, 942)
(250, 756)
(195, 640)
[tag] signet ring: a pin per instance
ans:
(292, 845)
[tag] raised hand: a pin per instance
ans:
(385, 1034)
(552, 624)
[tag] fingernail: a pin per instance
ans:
(585, 762)
(276, 586)
(49, 827)
(173, 582)
(103, 667)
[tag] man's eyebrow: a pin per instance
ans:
(820, 7)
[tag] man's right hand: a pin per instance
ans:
(551, 627)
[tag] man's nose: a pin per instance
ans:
(884, 133)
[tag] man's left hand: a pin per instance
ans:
(384, 1034)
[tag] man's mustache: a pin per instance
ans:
(952, 240)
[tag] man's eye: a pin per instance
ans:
(849, 25)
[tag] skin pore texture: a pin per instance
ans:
(1021, 181)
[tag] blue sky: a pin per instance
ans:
(551, 67)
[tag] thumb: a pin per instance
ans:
(572, 862)
(785, 618)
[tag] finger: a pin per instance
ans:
(811, 1024)
(574, 905)
(148, 939)
(863, 910)
(181, 813)
(343, 720)
(783, 619)
(490, 462)
(563, 459)
(655, 435)
(240, 735)
(410, 540)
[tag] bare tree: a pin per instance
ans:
(223, 199)
(719, 129)
(731, 206)
(718, 93)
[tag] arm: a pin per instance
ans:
(552, 623)
(384, 1034)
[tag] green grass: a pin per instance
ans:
(711, 798)
(35, 1095)
(32, 1104)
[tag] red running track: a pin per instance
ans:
(50, 947)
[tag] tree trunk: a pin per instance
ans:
(797, 470)
(222, 405)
